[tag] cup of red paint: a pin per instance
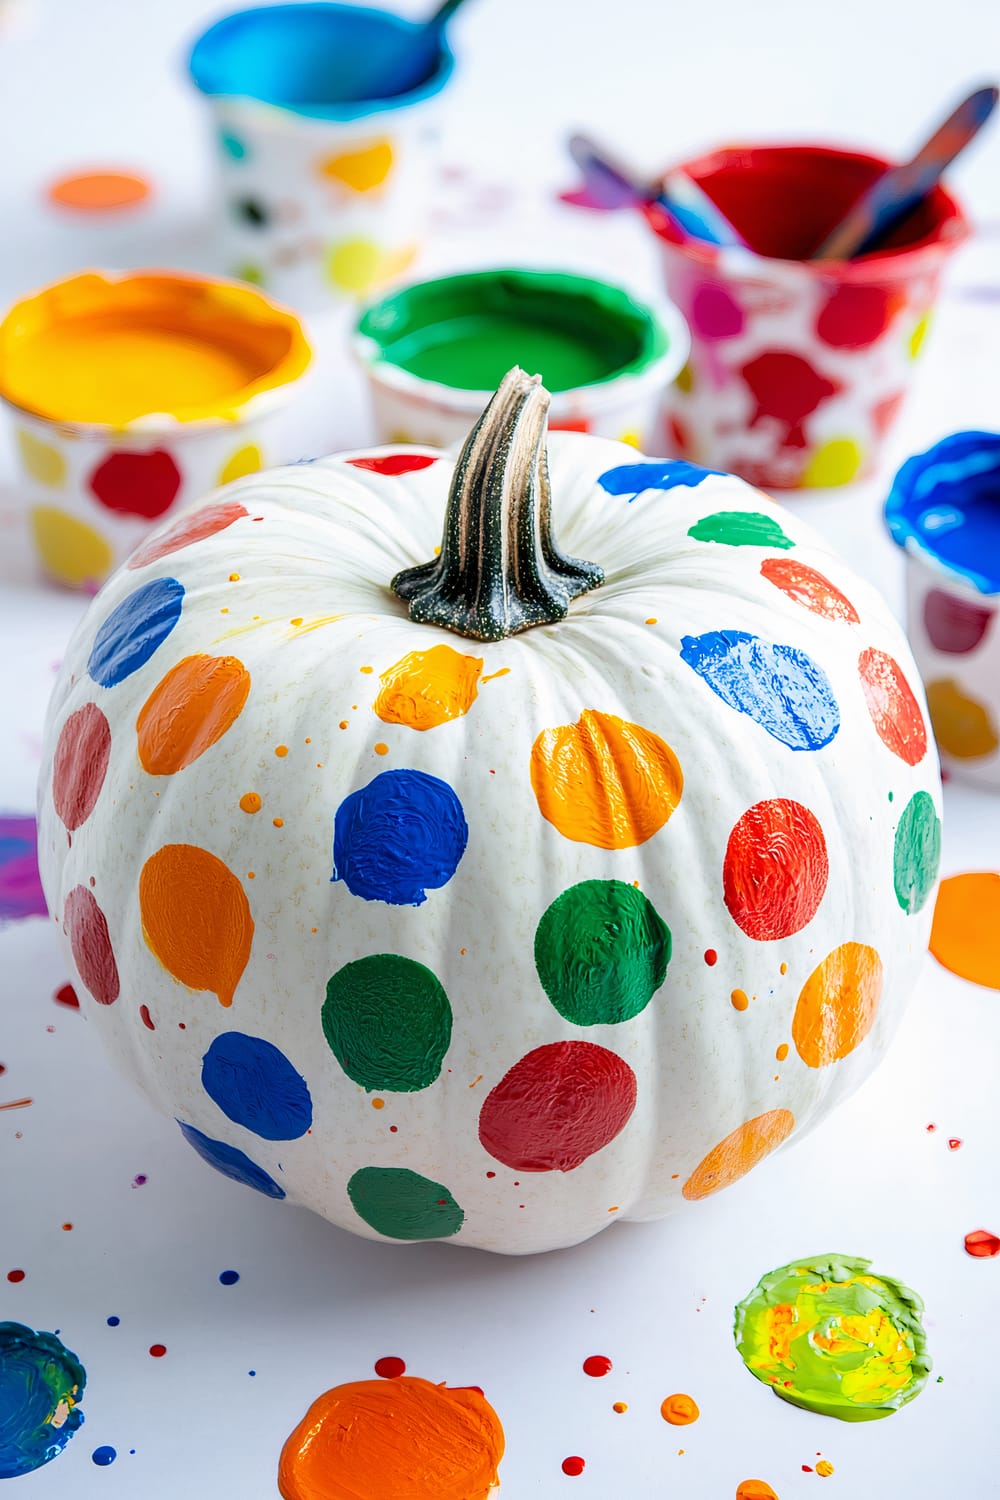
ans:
(798, 367)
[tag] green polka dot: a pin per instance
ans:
(601, 951)
(388, 1022)
(916, 853)
(740, 528)
(403, 1205)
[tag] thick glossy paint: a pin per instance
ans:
(982, 1244)
(41, 1385)
(776, 869)
(946, 503)
(632, 480)
(134, 630)
(837, 1005)
(738, 1153)
(86, 926)
(205, 522)
(256, 1086)
(679, 1410)
(403, 1205)
(190, 708)
(80, 764)
(402, 834)
(231, 1162)
(966, 923)
(778, 687)
(196, 918)
(427, 688)
(740, 528)
(601, 951)
(387, 1021)
(894, 710)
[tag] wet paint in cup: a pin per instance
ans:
(944, 511)
(798, 367)
(325, 196)
(434, 350)
(132, 395)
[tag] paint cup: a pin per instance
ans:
(798, 367)
(325, 195)
(435, 351)
(133, 395)
(944, 511)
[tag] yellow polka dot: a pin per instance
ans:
(246, 460)
(685, 380)
(919, 334)
(41, 460)
(836, 462)
(70, 550)
(631, 437)
(353, 265)
(360, 170)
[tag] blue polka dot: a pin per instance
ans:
(779, 687)
(229, 1278)
(113, 1322)
(232, 145)
(104, 1455)
(134, 630)
(255, 1085)
(230, 1162)
(633, 479)
(399, 836)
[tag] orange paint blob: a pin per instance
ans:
(99, 192)
(619, 1407)
(278, 822)
(381, 748)
(196, 918)
(189, 710)
(680, 1410)
(741, 1150)
(250, 802)
(427, 688)
(281, 751)
(782, 1052)
(402, 1439)
(964, 934)
(739, 999)
(837, 1005)
(604, 781)
(755, 1489)
(378, 1104)
(824, 1468)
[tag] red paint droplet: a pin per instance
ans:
(932, 1127)
(711, 957)
(982, 1244)
(390, 1367)
(954, 1143)
(491, 1174)
(80, 764)
(806, 1469)
(393, 1129)
(87, 929)
(395, 463)
(15, 1275)
(597, 1365)
(137, 484)
(775, 871)
(557, 1106)
(66, 995)
(157, 1350)
(573, 1466)
(182, 1026)
(147, 1019)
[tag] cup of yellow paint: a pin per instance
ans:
(433, 352)
(132, 395)
(324, 194)
(944, 511)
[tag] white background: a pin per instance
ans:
(102, 83)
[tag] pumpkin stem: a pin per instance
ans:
(499, 570)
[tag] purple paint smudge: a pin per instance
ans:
(20, 885)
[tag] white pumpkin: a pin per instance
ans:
(497, 940)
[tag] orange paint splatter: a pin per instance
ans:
(234, 578)
(740, 999)
(378, 1104)
(741, 1150)
(619, 1407)
(837, 1005)
(652, 620)
(343, 723)
(250, 802)
(782, 1052)
(402, 1439)
(189, 710)
(381, 748)
(680, 1410)
(281, 751)
(492, 676)
(196, 918)
(964, 934)
(782, 968)
(604, 781)
(17, 1103)
(278, 822)
(427, 688)
(755, 1489)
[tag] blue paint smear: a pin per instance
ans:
(134, 630)
(634, 479)
(402, 834)
(946, 502)
(105, 1455)
(20, 883)
(230, 1162)
(779, 687)
(37, 1373)
(256, 1086)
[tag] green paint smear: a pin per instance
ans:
(916, 853)
(468, 331)
(601, 950)
(866, 1376)
(403, 1205)
(387, 1020)
(740, 528)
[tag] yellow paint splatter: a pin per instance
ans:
(305, 627)
(685, 380)
(71, 551)
(492, 676)
(41, 460)
(652, 620)
(366, 669)
(425, 689)
(631, 437)
(782, 968)
(234, 578)
(246, 460)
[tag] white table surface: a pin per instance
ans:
(103, 83)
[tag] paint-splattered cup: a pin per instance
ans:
(325, 195)
(434, 351)
(798, 367)
(132, 395)
(944, 511)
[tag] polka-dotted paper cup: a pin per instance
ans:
(133, 395)
(798, 367)
(325, 195)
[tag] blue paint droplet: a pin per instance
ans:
(778, 687)
(633, 479)
(232, 145)
(134, 630)
(229, 1278)
(231, 1162)
(251, 1372)
(39, 1377)
(104, 1455)
(113, 1322)
(402, 834)
(256, 1086)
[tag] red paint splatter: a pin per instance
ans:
(809, 588)
(711, 957)
(954, 625)
(806, 1469)
(855, 316)
(884, 412)
(982, 1244)
(775, 870)
(157, 1350)
(146, 1018)
(80, 764)
(137, 484)
(196, 528)
(557, 1106)
(953, 1143)
(787, 388)
(395, 463)
(597, 1365)
(15, 1276)
(390, 1367)
(932, 1127)
(87, 929)
(573, 1466)
(892, 706)
(66, 995)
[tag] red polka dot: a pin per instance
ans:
(775, 870)
(80, 764)
(204, 523)
(137, 484)
(953, 624)
(786, 387)
(87, 929)
(157, 1350)
(146, 1018)
(855, 316)
(15, 1276)
(597, 1365)
(808, 588)
(557, 1106)
(66, 995)
(573, 1466)
(390, 1367)
(893, 708)
(395, 463)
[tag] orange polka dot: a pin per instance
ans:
(381, 748)
(740, 999)
(250, 802)
(281, 751)
(966, 923)
(680, 1410)
(894, 710)
(837, 1004)
(190, 708)
(427, 688)
(755, 1489)
(741, 1150)
(99, 192)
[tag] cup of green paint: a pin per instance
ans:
(434, 350)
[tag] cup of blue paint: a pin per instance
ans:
(944, 511)
(323, 194)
